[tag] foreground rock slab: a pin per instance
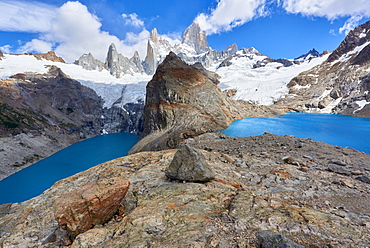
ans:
(93, 204)
(253, 190)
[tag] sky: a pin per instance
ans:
(276, 28)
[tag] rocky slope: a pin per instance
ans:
(311, 193)
(183, 101)
(340, 85)
(41, 114)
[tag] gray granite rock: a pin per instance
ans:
(189, 165)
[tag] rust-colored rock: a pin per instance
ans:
(93, 204)
(49, 56)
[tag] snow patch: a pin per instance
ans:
(361, 104)
(347, 56)
(329, 108)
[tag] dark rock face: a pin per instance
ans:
(93, 204)
(181, 102)
(50, 110)
(269, 239)
(189, 165)
(352, 40)
(1, 54)
(312, 53)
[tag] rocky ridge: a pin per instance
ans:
(340, 85)
(183, 101)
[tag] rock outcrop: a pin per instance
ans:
(183, 102)
(1, 55)
(49, 56)
(253, 190)
(93, 204)
(189, 165)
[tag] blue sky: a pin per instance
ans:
(277, 28)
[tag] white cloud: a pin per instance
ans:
(6, 49)
(133, 20)
(330, 9)
(25, 16)
(229, 14)
(75, 31)
(36, 45)
(350, 24)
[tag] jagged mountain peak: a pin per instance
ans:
(196, 38)
(313, 53)
(356, 37)
(154, 35)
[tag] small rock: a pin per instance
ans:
(269, 239)
(337, 162)
(363, 179)
(228, 158)
(338, 170)
(357, 173)
(291, 160)
(189, 165)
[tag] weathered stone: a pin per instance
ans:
(272, 239)
(93, 204)
(337, 162)
(364, 179)
(189, 165)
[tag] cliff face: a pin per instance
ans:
(183, 101)
(41, 114)
(340, 85)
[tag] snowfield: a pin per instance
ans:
(263, 85)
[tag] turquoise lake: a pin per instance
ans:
(333, 129)
(33, 180)
(341, 130)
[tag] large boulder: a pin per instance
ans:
(189, 165)
(93, 204)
